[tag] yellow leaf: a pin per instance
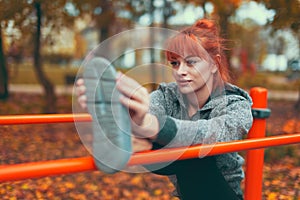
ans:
(276, 182)
(38, 194)
(267, 183)
(70, 185)
(25, 186)
(136, 180)
(157, 192)
(272, 196)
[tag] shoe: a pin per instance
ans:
(111, 121)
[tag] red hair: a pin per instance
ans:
(201, 39)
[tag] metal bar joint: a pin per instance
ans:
(261, 113)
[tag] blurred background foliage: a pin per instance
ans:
(38, 37)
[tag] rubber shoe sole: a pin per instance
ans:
(111, 121)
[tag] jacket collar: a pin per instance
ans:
(218, 96)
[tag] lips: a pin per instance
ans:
(183, 82)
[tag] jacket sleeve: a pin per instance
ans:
(228, 121)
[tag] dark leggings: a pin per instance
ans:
(199, 179)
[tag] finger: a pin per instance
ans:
(80, 90)
(134, 105)
(131, 88)
(79, 82)
(79, 86)
(82, 100)
(139, 93)
(126, 79)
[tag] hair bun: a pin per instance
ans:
(205, 24)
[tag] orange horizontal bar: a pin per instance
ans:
(165, 155)
(43, 118)
(73, 165)
(45, 168)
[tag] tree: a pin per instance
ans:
(3, 71)
(29, 17)
(55, 18)
(101, 11)
(7, 12)
(223, 10)
(249, 53)
(50, 96)
(287, 16)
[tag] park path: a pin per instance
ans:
(68, 89)
(37, 89)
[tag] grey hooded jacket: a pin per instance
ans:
(226, 116)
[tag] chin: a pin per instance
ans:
(186, 90)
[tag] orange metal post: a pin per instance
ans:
(255, 158)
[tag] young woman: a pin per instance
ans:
(200, 107)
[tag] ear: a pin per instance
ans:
(217, 64)
(218, 58)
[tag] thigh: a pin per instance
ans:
(201, 179)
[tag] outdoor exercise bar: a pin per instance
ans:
(253, 145)
(21, 171)
(43, 118)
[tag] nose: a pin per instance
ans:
(182, 69)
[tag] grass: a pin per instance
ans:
(25, 74)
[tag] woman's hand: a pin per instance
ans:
(80, 90)
(136, 98)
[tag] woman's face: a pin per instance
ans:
(192, 73)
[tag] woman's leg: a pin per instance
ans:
(201, 179)
(197, 178)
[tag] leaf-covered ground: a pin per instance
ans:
(26, 143)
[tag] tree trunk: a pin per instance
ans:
(50, 98)
(297, 105)
(3, 72)
(105, 19)
(103, 33)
